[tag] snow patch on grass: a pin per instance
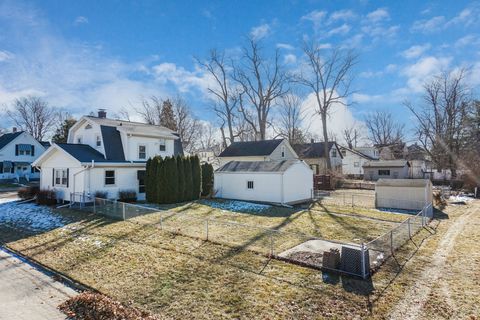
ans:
(235, 205)
(28, 216)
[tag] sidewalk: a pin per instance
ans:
(26, 293)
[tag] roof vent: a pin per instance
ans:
(102, 113)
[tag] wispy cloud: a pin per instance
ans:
(5, 55)
(260, 31)
(290, 59)
(381, 14)
(428, 25)
(317, 17)
(343, 29)
(344, 15)
(415, 51)
(424, 68)
(285, 46)
(80, 20)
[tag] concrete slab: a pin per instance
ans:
(27, 293)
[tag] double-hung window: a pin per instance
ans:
(142, 152)
(99, 141)
(61, 177)
(383, 172)
(109, 177)
(163, 145)
(249, 184)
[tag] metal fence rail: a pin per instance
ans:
(349, 258)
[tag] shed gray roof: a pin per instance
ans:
(251, 148)
(8, 137)
(386, 164)
(257, 166)
(413, 183)
(313, 150)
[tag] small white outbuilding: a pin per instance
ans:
(283, 182)
(408, 194)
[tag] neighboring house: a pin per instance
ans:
(353, 161)
(17, 152)
(407, 194)
(388, 169)
(104, 155)
(266, 150)
(313, 154)
(393, 151)
(371, 152)
(284, 182)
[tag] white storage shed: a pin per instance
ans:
(407, 194)
(284, 182)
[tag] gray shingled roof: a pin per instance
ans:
(257, 166)
(82, 152)
(251, 148)
(312, 150)
(8, 137)
(385, 163)
(112, 143)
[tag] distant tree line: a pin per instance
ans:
(175, 179)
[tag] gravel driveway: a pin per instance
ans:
(27, 293)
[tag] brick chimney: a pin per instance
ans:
(102, 113)
(14, 129)
(312, 141)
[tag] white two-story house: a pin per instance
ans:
(104, 155)
(18, 150)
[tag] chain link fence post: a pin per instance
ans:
(123, 210)
(391, 242)
(161, 222)
(271, 244)
(409, 229)
(364, 269)
(94, 205)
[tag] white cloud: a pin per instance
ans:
(391, 68)
(468, 40)
(80, 20)
(345, 15)
(339, 118)
(183, 79)
(260, 31)
(420, 71)
(366, 98)
(316, 17)
(290, 59)
(5, 55)
(378, 15)
(285, 46)
(428, 26)
(415, 51)
(343, 29)
(379, 32)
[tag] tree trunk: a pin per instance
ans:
(325, 139)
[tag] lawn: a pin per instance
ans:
(184, 277)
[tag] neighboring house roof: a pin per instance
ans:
(45, 144)
(82, 152)
(257, 166)
(112, 143)
(133, 127)
(8, 137)
(414, 183)
(386, 164)
(358, 153)
(251, 148)
(313, 150)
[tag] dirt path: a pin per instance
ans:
(410, 307)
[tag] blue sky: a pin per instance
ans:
(83, 55)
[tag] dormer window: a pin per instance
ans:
(163, 145)
(334, 153)
(99, 141)
(142, 152)
(79, 140)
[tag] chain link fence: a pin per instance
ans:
(303, 249)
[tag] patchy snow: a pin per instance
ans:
(460, 198)
(28, 216)
(235, 205)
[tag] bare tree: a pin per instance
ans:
(328, 77)
(290, 119)
(187, 124)
(33, 115)
(442, 118)
(383, 129)
(151, 110)
(225, 97)
(262, 82)
(351, 135)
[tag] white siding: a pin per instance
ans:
(125, 179)
(224, 160)
(152, 144)
(297, 183)
(88, 136)
(409, 198)
(350, 160)
(371, 174)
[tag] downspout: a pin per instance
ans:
(83, 170)
(283, 189)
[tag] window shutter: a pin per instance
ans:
(53, 177)
(68, 176)
(33, 150)
(16, 149)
